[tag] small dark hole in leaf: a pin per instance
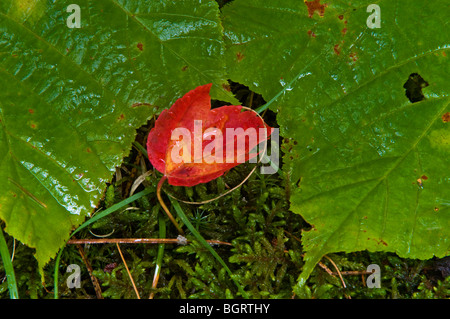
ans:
(414, 86)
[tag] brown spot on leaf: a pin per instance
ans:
(226, 87)
(121, 117)
(314, 6)
(33, 125)
(436, 209)
(444, 54)
(184, 68)
(344, 31)
(336, 49)
(424, 177)
(354, 56)
(88, 150)
(239, 56)
(140, 46)
(446, 117)
(31, 111)
(378, 241)
(311, 34)
(341, 17)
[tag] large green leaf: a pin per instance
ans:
(370, 169)
(72, 98)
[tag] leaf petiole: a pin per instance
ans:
(163, 205)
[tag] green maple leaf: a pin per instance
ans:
(72, 98)
(365, 111)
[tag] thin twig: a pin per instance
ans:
(137, 241)
(339, 273)
(337, 269)
(324, 267)
(128, 271)
(355, 272)
(98, 290)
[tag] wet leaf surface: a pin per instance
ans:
(71, 99)
(361, 147)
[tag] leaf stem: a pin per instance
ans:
(163, 205)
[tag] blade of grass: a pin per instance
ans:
(113, 208)
(141, 148)
(100, 215)
(200, 238)
(9, 269)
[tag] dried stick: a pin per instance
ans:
(98, 290)
(337, 269)
(140, 241)
(128, 271)
(355, 272)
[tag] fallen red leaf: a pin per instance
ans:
(187, 162)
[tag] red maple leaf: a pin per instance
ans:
(192, 144)
(213, 141)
